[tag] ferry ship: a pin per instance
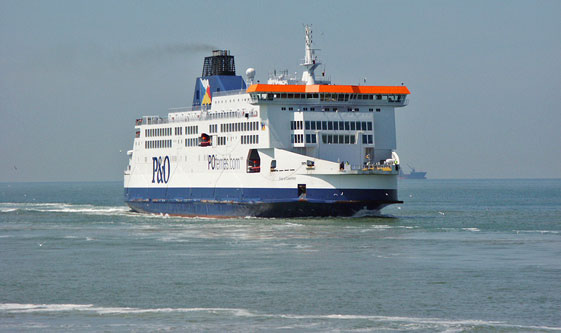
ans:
(293, 147)
(413, 174)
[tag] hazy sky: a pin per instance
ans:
(485, 76)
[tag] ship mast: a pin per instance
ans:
(310, 60)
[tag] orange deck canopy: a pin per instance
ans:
(324, 88)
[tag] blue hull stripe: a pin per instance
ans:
(265, 195)
(266, 202)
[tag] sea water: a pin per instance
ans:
(458, 255)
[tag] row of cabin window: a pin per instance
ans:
(326, 109)
(193, 142)
(221, 141)
(297, 138)
(328, 97)
(213, 128)
(325, 138)
(250, 139)
(179, 131)
(367, 139)
(240, 127)
(296, 125)
(157, 132)
(157, 144)
(338, 139)
(192, 129)
(338, 125)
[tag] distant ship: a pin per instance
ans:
(413, 174)
(291, 147)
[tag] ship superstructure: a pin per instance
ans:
(286, 148)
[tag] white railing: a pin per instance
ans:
(229, 92)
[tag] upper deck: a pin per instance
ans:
(374, 95)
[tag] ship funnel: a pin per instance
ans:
(220, 63)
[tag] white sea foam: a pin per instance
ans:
(448, 324)
(58, 207)
(471, 229)
(538, 231)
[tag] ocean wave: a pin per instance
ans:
(538, 231)
(59, 207)
(434, 323)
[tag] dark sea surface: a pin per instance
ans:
(457, 256)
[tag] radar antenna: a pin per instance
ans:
(310, 60)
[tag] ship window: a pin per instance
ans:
(313, 125)
(330, 138)
(371, 109)
(369, 125)
(378, 110)
(364, 139)
(283, 95)
(312, 109)
(353, 126)
(308, 138)
(307, 124)
(335, 139)
(336, 125)
(352, 139)
(378, 97)
(290, 109)
(330, 125)
(313, 138)
(324, 125)
(358, 125)
(318, 124)
(273, 165)
(357, 109)
(363, 125)
(370, 139)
